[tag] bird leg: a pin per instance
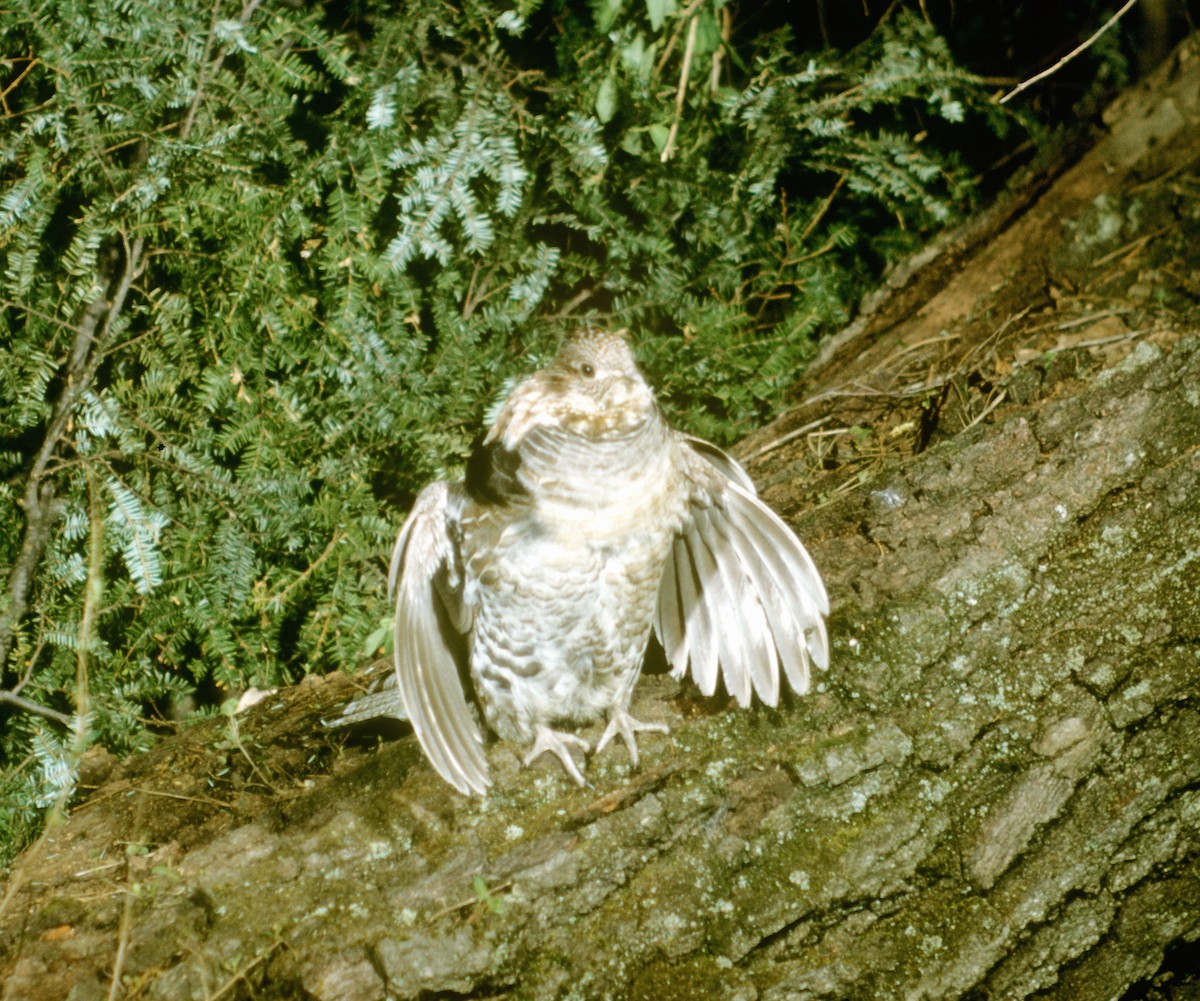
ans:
(622, 723)
(555, 742)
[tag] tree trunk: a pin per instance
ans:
(994, 793)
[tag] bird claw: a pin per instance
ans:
(622, 723)
(555, 742)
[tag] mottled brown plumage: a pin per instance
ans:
(584, 523)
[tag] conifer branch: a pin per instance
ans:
(203, 71)
(39, 501)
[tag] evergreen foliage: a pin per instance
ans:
(263, 274)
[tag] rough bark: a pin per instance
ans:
(994, 793)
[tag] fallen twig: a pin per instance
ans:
(785, 438)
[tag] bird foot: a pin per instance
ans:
(622, 723)
(555, 742)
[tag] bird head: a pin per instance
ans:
(592, 389)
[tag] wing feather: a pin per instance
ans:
(425, 582)
(724, 463)
(739, 590)
(670, 625)
(790, 591)
(723, 598)
(702, 632)
(758, 663)
(793, 580)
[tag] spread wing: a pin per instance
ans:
(431, 619)
(739, 595)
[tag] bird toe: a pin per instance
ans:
(628, 728)
(558, 743)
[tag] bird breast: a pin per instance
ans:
(566, 591)
(607, 489)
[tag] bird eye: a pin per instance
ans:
(587, 370)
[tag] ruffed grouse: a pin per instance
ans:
(584, 522)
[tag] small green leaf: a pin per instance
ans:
(659, 135)
(708, 34)
(486, 898)
(606, 14)
(631, 54)
(378, 640)
(646, 66)
(606, 99)
(658, 11)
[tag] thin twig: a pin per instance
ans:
(240, 973)
(40, 498)
(1069, 56)
(915, 346)
(1099, 342)
(856, 390)
(670, 46)
(681, 94)
(785, 438)
(1079, 321)
(993, 338)
(472, 902)
(203, 72)
(825, 248)
(34, 707)
(39, 501)
(279, 597)
(1083, 321)
(820, 214)
(203, 800)
(236, 737)
(30, 664)
(93, 594)
(210, 66)
(84, 873)
(714, 79)
(125, 931)
(1132, 247)
(29, 65)
(115, 989)
(831, 432)
(573, 304)
(1000, 397)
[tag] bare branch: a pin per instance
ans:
(1069, 56)
(41, 508)
(681, 94)
(34, 707)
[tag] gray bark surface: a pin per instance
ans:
(993, 793)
